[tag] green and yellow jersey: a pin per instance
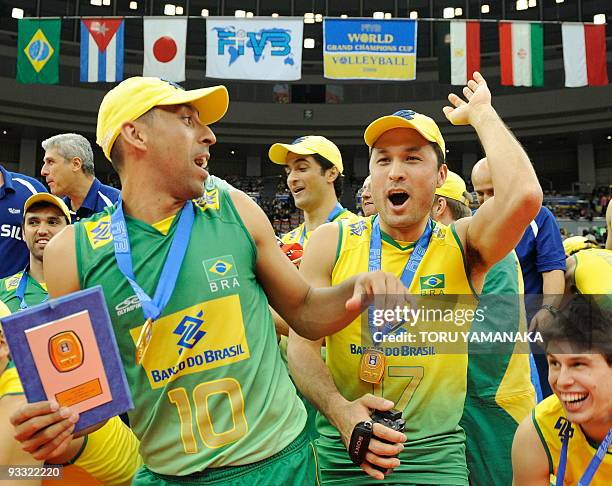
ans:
(593, 271)
(429, 388)
(35, 292)
(499, 390)
(211, 390)
(550, 423)
(299, 233)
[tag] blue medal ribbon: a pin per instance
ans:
(152, 308)
(21, 288)
(337, 211)
(374, 260)
(588, 474)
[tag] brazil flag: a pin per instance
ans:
(38, 49)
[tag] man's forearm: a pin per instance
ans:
(553, 287)
(323, 311)
(312, 377)
(511, 171)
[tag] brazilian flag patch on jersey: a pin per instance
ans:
(432, 282)
(220, 267)
(13, 282)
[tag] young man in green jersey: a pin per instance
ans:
(44, 216)
(406, 166)
(213, 401)
(109, 455)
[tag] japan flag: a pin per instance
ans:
(164, 48)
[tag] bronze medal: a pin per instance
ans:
(372, 366)
(144, 338)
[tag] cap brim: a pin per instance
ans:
(48, 198)
(278, 152)
(386, 123)
(211, 103)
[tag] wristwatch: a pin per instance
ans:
(550, 308)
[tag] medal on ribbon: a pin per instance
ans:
(152, 308)
(372, 366)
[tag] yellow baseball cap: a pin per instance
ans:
(48, 198)
(135, 96)
(405, 119)
(308, 145)
(454, 188)
(575, 244)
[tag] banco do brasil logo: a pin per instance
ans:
(190, 332)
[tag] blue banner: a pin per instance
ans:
(369, 49)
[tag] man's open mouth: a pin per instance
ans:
(398, 198)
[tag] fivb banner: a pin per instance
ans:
(369, 49)
(267, 49)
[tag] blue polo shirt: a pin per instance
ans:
(98, 197)
(540, 250)
(14, 254)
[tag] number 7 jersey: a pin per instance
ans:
(428, 386)
(212, 390)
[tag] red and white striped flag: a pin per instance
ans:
(584, 55)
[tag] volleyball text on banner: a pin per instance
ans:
(369, 49)
(101, 50)
(269, 49)
(584, 55)
(38, 48)
(458, 51)
(521, 53)
(164, 48)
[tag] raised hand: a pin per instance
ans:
(478, 97)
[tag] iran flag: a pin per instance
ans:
(521, 52)
(584, 55)
(164, 48)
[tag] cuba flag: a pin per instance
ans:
(101, 50)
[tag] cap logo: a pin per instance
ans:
(298, 140)
(172, 83)
(406, 114)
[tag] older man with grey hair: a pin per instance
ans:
(69, 171)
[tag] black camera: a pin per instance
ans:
(392, 419)
(363, 432)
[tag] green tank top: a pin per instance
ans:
(212, 390)
(35, 293)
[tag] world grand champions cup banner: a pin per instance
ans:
(258, 49)
(369, 49)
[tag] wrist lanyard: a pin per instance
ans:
(589, 472)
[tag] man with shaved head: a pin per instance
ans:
(542, 258)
